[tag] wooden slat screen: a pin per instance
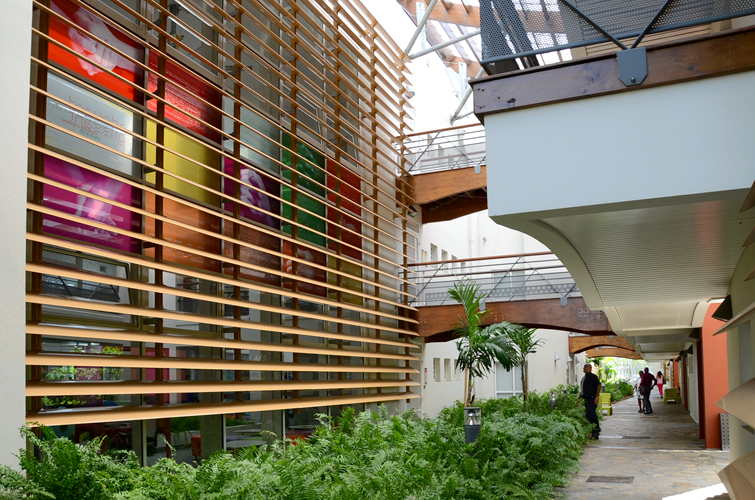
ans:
(215, 191)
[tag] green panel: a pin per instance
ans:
(311, 179)
(307, 168)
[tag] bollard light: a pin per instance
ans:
(553, 400)
(472, 421)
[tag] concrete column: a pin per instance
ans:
(15, 40)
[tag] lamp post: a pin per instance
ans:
(472, 417)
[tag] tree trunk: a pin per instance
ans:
(524, 381)
(466, 387)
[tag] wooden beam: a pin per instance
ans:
(581, 344)
(613, 353)
(453, 208)
(435, 186)
(668, 63)
(436, 322)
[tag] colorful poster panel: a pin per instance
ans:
(82, 43)
(85, 208)
(185, 168)
(187, 94)
(185, 237)
(312, 179)
(346, 282)
(351, 201)
(309, 159)
(259, 199)
(70, 115)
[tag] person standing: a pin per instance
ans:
(589, 390)
(660, 380)
(640, 399)
(646, 386)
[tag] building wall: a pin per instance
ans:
(741, 349)
(716, 377)
(247, 209)
(437, 394)
(691, 109)
(15, 38)
(692, 382)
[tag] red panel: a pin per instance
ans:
(187, 93)
(95, 51)
(351, 201)
(715, 377)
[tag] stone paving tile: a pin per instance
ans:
(671, 462)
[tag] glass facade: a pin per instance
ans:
(217, 231)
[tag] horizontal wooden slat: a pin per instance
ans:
(196, 273)
(211, 234)
(51, 300)
(202, 253)
(79, 388)
(230, 58)
(193, 340)
(217, 299)
(132, 361)
(125, 413)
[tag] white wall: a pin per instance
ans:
(15, 38)
(437, 395)
(475, 235)
(545, 372)
(684, 129)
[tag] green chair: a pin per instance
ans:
(671, 395)
(605, 403)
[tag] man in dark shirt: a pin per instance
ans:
(647, 383)
(590, 391)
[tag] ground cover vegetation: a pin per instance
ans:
(525, 449)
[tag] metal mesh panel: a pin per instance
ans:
(523, 28)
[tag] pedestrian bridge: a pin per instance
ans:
(447, 174)
(531, 289)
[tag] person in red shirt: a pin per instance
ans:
(646, 386)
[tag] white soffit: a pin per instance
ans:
(655, 265)
(676, 253)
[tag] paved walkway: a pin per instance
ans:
(671, 462)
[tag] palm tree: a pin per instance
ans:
(523, 342)
(478, 347)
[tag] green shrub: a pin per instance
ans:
(72, 471)
(525, 449)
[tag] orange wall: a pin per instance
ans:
(716, 378)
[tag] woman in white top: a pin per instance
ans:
(640, 400)
(660, 381)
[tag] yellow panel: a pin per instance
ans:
(351, 284)
(184, 168)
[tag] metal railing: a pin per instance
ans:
(446, 149)
(504, 278)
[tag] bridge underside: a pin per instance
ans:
(436, 322)
(450, 194)
(603, 346)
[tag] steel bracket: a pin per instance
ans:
(633, 66)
